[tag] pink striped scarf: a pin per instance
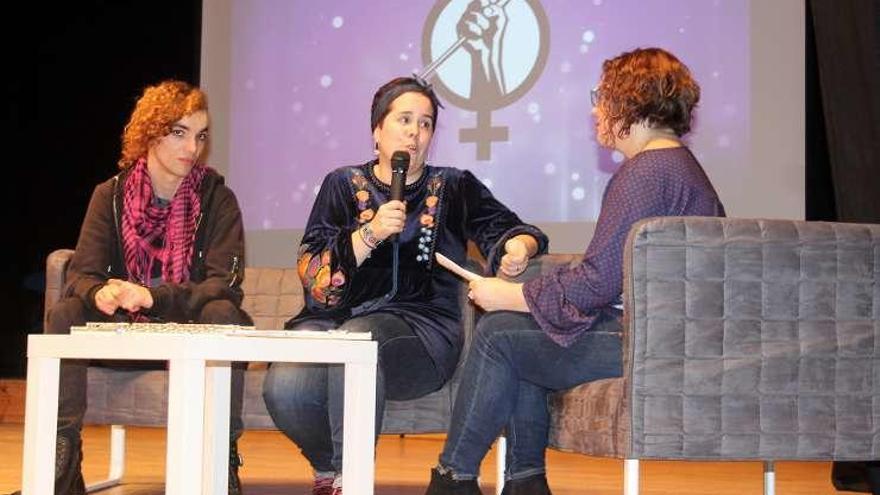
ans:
(151, 232)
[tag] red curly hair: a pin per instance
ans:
(647, 85)
(157, 109)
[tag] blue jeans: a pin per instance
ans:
(305, 400)
(510, 369)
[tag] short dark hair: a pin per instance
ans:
(392, 89)
(650, 85)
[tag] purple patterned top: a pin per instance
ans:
(654, 183)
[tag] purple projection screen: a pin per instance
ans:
(303, 75)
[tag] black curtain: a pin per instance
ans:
(72, 72)
(843, 100)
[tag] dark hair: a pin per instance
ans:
(650, 85)
(392, 89)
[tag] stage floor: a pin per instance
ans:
(274, 466)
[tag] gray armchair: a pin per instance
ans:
(743, 340)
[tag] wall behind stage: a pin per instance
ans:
(290, 85)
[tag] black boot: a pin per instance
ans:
(68, 461)
(234, 463)
(533, 485)
(443, 484)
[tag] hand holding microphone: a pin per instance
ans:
(391, 217)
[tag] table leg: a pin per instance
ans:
(40, 426)
(359, 425)
(217, 396)
(186, 427)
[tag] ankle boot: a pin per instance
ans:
(234, 463)
(68, 461)
(444, 484)
(533, 485)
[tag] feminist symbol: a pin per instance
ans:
(491, 53)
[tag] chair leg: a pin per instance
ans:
(769, 478)
(630, 477)
(117, 460)
(500, 463)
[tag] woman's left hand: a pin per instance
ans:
(516, 257)
(494, 294)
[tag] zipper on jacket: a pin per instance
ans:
(234, 270)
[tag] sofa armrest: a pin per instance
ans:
(56, 274)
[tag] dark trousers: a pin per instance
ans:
(856, 476)
(305, 400)
(73, 384)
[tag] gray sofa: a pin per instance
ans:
(137, 397)
(744, 339)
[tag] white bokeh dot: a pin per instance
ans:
(302, 186)
(577, 193)
(533, 108)
(681, 30)
(536, 118)
(338, 21)
(267, 224)
(550, 168)
(297, 107)
(585, 48)
(323, 120)
(716, 74)
(404, 57)
(565, 68)
(597, 2)
(588, 36)
(326, 81)
(617, 157)
(575, 176)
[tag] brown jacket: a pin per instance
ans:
(218, 256)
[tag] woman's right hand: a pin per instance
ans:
(390, 219)
(107, 299)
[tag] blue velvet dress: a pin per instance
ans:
(446, 207)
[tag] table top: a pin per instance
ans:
(345, 348)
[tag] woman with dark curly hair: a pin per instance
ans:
(162, 241)
(563, 328)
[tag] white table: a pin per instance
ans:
(198, 400)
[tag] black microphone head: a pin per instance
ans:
(400, 161)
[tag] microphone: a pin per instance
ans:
(399, 166)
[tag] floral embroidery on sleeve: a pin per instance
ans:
(314, 272)
(362, 196)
